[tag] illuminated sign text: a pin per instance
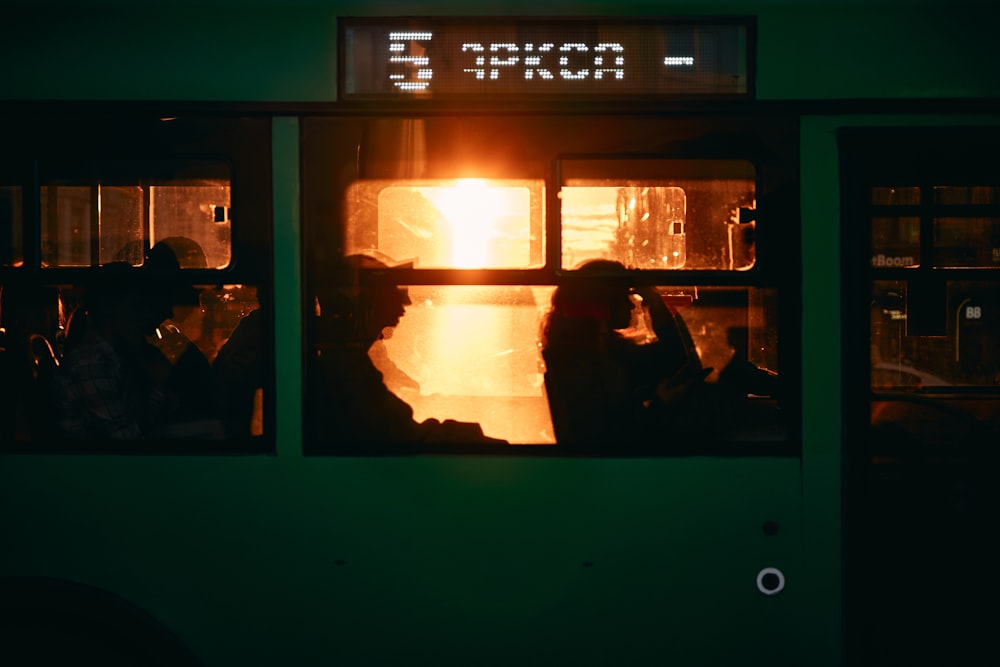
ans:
(524, 57)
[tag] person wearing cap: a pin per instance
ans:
(351, 401)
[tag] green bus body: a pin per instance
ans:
(285, 559)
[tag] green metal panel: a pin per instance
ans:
(822, 480)
(289, 560)
(272, 51)
(448, 560)
(880, 50)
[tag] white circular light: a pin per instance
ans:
(770, 590)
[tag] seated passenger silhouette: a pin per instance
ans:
(191, 374)
(740, 374)
(351, 402)
(238, 371)
(112, 384)
(605, 387)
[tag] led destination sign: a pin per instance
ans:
(442, 58)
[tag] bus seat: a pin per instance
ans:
(38, 404)
(43, 356)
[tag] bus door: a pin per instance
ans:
(921, 273)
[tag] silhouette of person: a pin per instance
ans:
(190, 377)
(238, 371)
(351, 401)
(112, 384)
(607, 384)
(740, 374)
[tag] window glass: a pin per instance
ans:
(11, 227)
(961, 194)
(966, 242)
(209, 383)
(935, 389)
(470, 353)
(895, 196)
(477, 355)
(966, 229)
(136, 317)
(895, 241)
(200, 212)
(701, 217)
(968, 355)
(934, 337)
(71, 230)
(115, 220)
(456, 223)
(176, 373)
(474, 229)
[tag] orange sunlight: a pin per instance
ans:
(471, 208)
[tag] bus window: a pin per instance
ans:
(964, 357)
(111, 219)
(460, 353)
(700, 218)
(953, 372)
(972, 242)
(205, 357)
(136, 327)
(457, 223)
(200, 212)
(470, 228)
(473, 354)
(966, 234)
(11, 226)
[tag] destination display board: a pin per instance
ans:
(489, 58)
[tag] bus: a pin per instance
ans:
(278, 284)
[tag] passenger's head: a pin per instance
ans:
(603, 295)
(363, 301)
(184, 253)
(168, 256)
(121, 307)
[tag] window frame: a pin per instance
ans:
(144, 136)
(778, 263)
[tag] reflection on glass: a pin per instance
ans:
(966, 242)
(967, 356)
(646, 224)
(895, 196)
(703, 223)
(86, 225)
(935, 390)
(11, 226)
(460, 223)
(895, 242)
(729, 324)
(67, 228)
(197, 212)
(119, 211)
(960, 194)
